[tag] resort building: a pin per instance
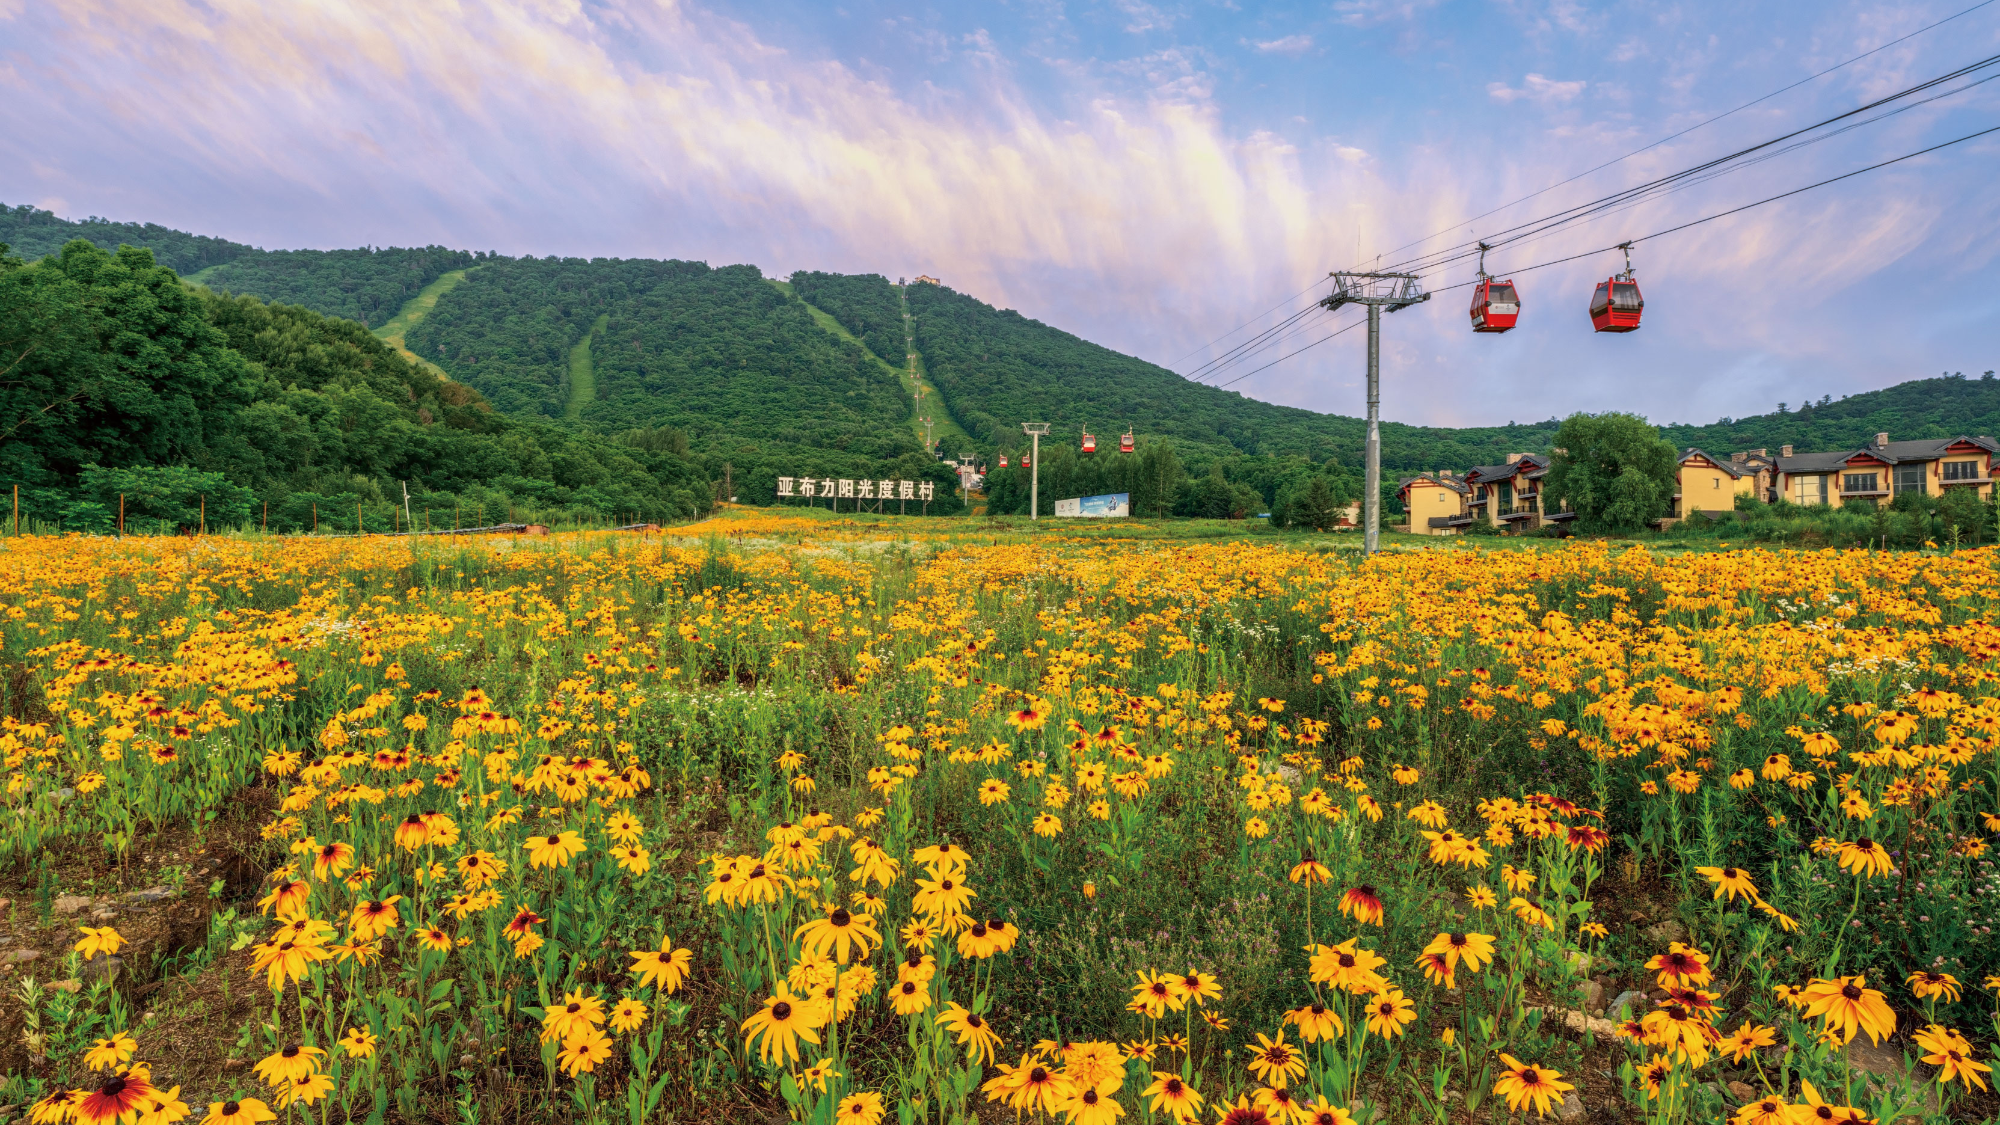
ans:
(1436, 503)
(1883, 470)
(1709, 484)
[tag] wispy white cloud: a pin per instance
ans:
(1535, 88)
(1288, 45)
(1119, 200)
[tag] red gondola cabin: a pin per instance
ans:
(1003, 460)
(1125, 444)
(1496, 305)
(1089, 443)
(1026, 461)
(1617, 305)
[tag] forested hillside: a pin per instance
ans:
(33, 233)
(619, 372)
(735, 370)
(1947, 406)
(864, 304)
(364, 285)
(367, 285)
(124, 380)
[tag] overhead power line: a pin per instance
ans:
(1316, 282)
(1739, 210)
(1697, 125)
(1571, 214)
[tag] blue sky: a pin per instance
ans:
(1147, 175)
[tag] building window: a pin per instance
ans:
(1961, 470)
(1858, 482)
(1909, 478)
(1809, 490)
(1715, 482)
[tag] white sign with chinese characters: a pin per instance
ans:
(836, 490)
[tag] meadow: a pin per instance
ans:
(782, 816)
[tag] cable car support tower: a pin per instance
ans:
(1378, 291)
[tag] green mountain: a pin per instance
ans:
(129, 390)
(368, 285)
(752, 379)
(33, 234)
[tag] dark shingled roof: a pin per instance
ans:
(1725, 466)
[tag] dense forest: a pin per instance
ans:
(735, 368)
(365, 285)
(864, 304)
(1950, 405)
(368, 285)
(711, 376)
(124, 380)
(33, 234)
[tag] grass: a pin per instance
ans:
(414, 310)
(582, 379)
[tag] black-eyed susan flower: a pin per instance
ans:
(1172, 1097)
(554, 850)
(1746, 1039)
(359, 1042)
(118, 1096)
(864, 1108)
(665, 967)
(581, 1053)
(973, 1032)
(579, 1013)
(1197, 986)
(238, 1111)
(1681, 964)
(778, 1026)
(1323, 1112)
(1389, 1012)
(1865, 857)
(288, 1064)
(112, 1053)
(1848, 1006)
(1363, 904)
(1952, 1055)
(1733, 882)
(371, 918)
(1526, 1084)
(1931, 985)
(1274, 1061)
(627, 1015)
(312, 1088)
(843, 933)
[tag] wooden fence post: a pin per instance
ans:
(121, 513)
(204, 515)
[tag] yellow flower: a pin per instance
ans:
(103, 940)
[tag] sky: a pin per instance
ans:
(1152, 176)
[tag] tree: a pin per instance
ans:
(1315, 506)
(1612, 470)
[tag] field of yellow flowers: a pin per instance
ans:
(775, 818)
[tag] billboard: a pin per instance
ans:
(1096, 507)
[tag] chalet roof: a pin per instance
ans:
(1814, 462)
(1927, 449)
(1432, 478)
(1726, 466)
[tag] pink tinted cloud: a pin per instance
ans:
(1139, 220)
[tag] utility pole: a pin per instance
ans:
(1377, 291)
(928, 444)
(1035, 430)
(406, 506)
